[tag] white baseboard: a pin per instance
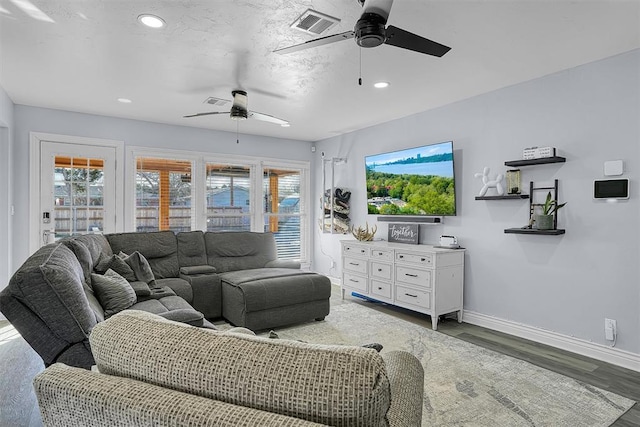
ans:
(607, 354)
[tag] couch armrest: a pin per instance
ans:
(156, 293)
(73, 394)
(184, 315)
(193, 270)
(283, 263)
(406, 377)
(207, 293)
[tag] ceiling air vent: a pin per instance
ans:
(216, 101)
(313, 22)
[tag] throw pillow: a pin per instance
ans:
(140, 267)
(118, 265)
(113, 292)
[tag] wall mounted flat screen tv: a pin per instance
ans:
(412, 182)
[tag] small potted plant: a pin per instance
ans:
(549, 208)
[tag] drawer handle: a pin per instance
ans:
(361, 251)
(379, 288)
(422, 259)
(380, 253)
(354, 280)
(400, 256)
(413, 296)
(348, 249)
(379, 269)
(354, 263)
(410, 275)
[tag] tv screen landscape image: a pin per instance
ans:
(413, 181)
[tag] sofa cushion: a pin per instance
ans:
(97, 244)
(172, 308)
(241, 250)
(160, 248)
(83, 255)
(191, 249)
(333, 385)
(181, 287)
(266, 288)
(113, 291)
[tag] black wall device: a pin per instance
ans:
(611, 188)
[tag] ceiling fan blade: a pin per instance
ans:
(401, 38)
(379, 7)
(266, 118)
(317, 42)
(207, 114)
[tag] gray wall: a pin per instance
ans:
(133, 133)
(6, 132)
(567, 284)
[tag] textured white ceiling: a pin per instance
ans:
(81, 55)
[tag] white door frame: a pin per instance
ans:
(35, 142)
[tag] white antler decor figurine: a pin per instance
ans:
(489, 183)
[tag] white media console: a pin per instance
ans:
(422, 278)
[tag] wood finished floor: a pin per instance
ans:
(600, 374)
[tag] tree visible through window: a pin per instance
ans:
(78, 187)
(163, 194)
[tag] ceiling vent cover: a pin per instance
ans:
(216, 101)
(314, 22)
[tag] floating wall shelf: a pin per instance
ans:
(505, 197)
(534, 231)
(541, 161)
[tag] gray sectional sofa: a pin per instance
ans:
(195, 276)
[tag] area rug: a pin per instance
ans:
(467, 385)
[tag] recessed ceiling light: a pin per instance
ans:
(124, 100)
(151, 21)
(285, 125)
(381, 85)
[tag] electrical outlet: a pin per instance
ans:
(610, 329)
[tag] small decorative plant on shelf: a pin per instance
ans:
(549, 209)
(364, 234)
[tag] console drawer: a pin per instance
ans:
(356, 265)
(354, 250)
(414, 258)
(382, 289)
(354, 281)
(413, 276)
(415, 297)
(381, 271)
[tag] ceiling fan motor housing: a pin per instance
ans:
(370, 31)
(240, 105)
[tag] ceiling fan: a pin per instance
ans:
(370, 31)
(239, 110)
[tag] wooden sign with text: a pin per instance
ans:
(404, 233)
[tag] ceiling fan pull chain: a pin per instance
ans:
(237, 128)
(360, 78)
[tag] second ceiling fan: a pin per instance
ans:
(370, 31)
(240, 111)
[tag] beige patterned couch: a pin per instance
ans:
(155, 372)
